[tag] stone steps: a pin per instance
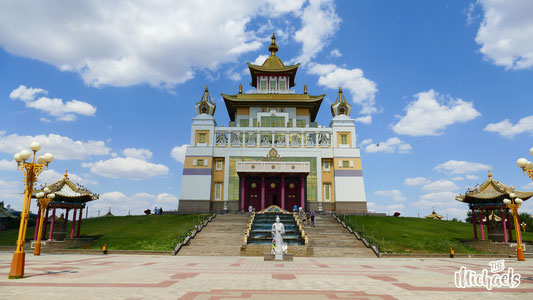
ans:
(223, 236)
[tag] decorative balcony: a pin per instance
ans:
(279, 137)
(272, 167)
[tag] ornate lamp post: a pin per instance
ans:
(44, 198)
(31, 170)
(526, 165)
(514, 204)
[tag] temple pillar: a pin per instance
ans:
(474, 223)
(509, 228)
(79, 223)
(262, 191)
(52, 222)
(504, 227)
(243, 189)
(282, 190)
(302, 192)
(73, 224)
(482, 225)
(45, 222)
(66, 216)
(37, 224)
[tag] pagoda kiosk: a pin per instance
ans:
(486, 203)
(68, 196)
(434, 216)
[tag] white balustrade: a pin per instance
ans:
(273, 167)
(273, 137)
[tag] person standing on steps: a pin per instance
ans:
(295, 208)
(312, 219)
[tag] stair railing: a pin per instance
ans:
(369, 241)
(248, 228)
(184, 239)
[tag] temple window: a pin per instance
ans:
(345, 164)
(201, 138)
(273, 121)
(219, 165)
(342, 111)
(326, 166)
(300, 123)
(218, 191)
(245, 122)
(264, 81)
(327, 192)
(282, 84)
(344, 139)
(273, 84)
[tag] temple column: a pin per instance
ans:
(73, 224)
(482, 225)
(474, 223)
(282, 190)
(45, 222)
(262, 191)
(37, 224)
(66, 216)
(243, 189)
(52, 222)
(79, 222)
(509, 228)
(504, 227)
(302, 192)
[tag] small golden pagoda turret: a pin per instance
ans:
(205, 106)
(340, 107)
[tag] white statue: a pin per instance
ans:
(277, 230)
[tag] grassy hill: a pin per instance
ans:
(416, 235)
(125, 233)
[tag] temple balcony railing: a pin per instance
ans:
(272, 167)
(279, 137)
(258, 91)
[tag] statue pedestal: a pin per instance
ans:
(278, 257)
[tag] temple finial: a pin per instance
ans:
(340, 89)
(206, 89)
(273, 48)
(490, 175)
(240, 88)
(66, 174)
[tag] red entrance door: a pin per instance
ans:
(253, 194)
(272, 192)
(292, 192)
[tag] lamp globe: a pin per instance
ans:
(506, 201)
(518, 201)
(17, 157)
(35, 146)
(48, 157)
(522, 162)
(25, 154)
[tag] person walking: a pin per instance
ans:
(295, 208)
(160, 211)
(308, 219)
(312, 219)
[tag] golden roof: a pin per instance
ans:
(65, 188)
(434, 216)
(491, 191)
(290, 100)
(273, 65)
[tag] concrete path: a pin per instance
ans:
(220, 277)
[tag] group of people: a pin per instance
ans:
(307, 219)
(158, 211)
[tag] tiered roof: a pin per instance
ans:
(69, 192)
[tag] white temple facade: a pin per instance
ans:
(273, 152)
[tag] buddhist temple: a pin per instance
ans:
(434, 215)
(272, 152)
(487, 206)
(6, 217)
(70, 196)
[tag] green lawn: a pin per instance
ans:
(415, 235)
(125, 233)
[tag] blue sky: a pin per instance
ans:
(445, 87)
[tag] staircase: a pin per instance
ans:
(329, 239)
(223, 236)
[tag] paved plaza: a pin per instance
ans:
(73, 276)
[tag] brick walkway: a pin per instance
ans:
(192, 277)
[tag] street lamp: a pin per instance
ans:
(30, 170)
(526, 165)
(514, 204)
(44, 198)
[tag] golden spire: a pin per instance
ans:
(66, 174)
(490, 175)
(240, 88)
(273, 47)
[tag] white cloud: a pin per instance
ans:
(426, 116)
(437, 199)
(363, 90)
(506, 33)
(335, 53)
(12, 193)
(392, 145)
(458, 178)
(142, 154)
(50, 176)
(416, 181)
(8, 165)
(135, 204)
(366, 142)
(364, 119)
(55, 107)
(461, 167)
(178, 153)
(395, 207)
(395, 194)
(472, 177)
(161, 43)
(319, 23)
(126, 168)
(506, 129)
(528, 187)
(62, 147)
(440, 185)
